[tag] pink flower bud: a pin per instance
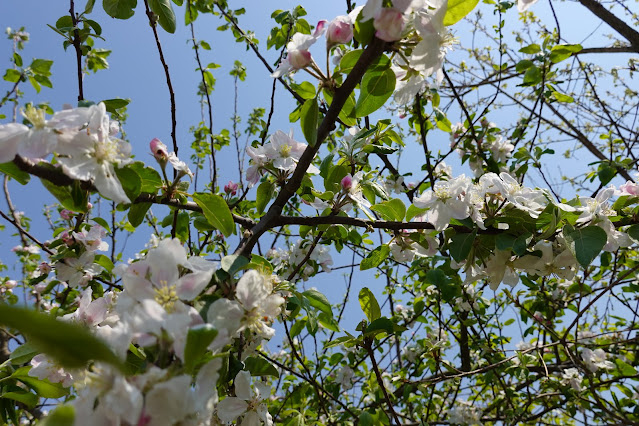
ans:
(347, 182)
(159, 151)
(299, 59)
(44, 268)
(89, 206)
(66, 214)
(389, 24)
(340, 31)
(231, 188)
(10, 284)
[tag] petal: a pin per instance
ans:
(108, 184)
(230, 409)
(243, 385)
(251, 290)
(191, 285)
(10, 136)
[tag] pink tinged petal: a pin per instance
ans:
(251, 291)
(191, 285)
(10, 136)
(389, 24)
(231, 408)
(243, 385)
(96, 312)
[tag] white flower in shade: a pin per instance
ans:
(428, 55)
(448, 200)
(596, 359)
(404, 249)
(78, 271)
(259, 307)
(464, 413)
(91, 154)
(345, 377)
(176, 401)
(104, 397)
(297, 54)
(563, 264)
(259, 159)
(499, 268)
(247, 403)
(43, 368)
(573, 378)
(33, 142)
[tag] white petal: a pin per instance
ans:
(231, 408)
(243, 385)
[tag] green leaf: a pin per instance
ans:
(27, 398)
(413, 211)
(328, 322)
(532, 76)
(64, 415)
(130, 180)
(531, 49)
(375, 89)
(369, 304)
(64, 23)
(258, 366)
(119, 9)
(562, 52)
(439, 279)
(233, 263)
(339, 341)
(625, 368)
(150, 179)
(366, 419)
(43, 388)
(164, 10)
(305, 89)
(69, 344)
(318, 301)
(89, 7)
(461, 244)
(586, 243)
(64, 194)
(349, 60)
(633, 232)
(393, 210)
(23, 353)
(375, 257)
(12, 76)
(309, 117)
(137, 213)
(216, 211)
(115, 106)
(263, 196)
(457, 10)
(41, 66)
(13, 171)
(198, 338)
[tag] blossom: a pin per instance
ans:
(35, 142)
(428, 56)
(43, 368)
(92, 239)
(284, 151)
(446, 201)
(389, 23)
(572, 377)
(464, 413)
(78, 271)
(90, 312)
(248, 402)
(523, 5)
(345, 377)
(554, 259)
(92, 154)
(297, 54)
(231, 188)
(500, 269)
(340, 30)
(159, 151)
(596, 359)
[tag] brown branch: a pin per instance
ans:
(153, 24)
(77, 45)
(616, 23)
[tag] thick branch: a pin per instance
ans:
(616, 23)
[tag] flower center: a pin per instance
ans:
(35, 116)
(166, 296)
(285, 150)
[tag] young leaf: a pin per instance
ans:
(216, 211)
(264, 194)
(394, 209)
(309, 117)
(318, 301)
(11, 170)
(233, 263)
(376, 87)
(375, 258)
(260, 367)
(457, 9)
(369, 304)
